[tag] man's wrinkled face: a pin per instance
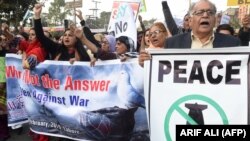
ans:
(202, 18)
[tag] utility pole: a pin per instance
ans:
(95, 9)
(94, 16)
(73, 5)
(190, 3)
(74, 12)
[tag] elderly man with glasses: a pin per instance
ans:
(202, 21)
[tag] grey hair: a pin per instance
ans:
(191, 8)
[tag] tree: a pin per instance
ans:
(104, 19)
(148, 23)
(56, 13)
(14, 10)
(101, 22)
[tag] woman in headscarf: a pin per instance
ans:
(124, 44)
(108, 43)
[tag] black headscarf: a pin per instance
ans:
(128, 42)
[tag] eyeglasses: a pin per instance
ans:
(201, 12)
(156, 32)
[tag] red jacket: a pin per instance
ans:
(33, 48)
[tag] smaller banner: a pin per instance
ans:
(116, 12)
(225, 19)
(237, 2)
(122, 20)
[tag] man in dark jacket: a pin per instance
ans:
(202, 21)
(172, 26)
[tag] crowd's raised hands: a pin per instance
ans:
(37, 11)
(78, 32)
(144, 55)
(246, 22)
(78, 13)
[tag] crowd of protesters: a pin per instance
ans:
(199, 30)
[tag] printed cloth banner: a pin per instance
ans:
(105, 102)
(15, 104)
(116, 12)
(196, 87)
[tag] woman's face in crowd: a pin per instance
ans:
(60, 40)
(139, 37)
(69, 39)
(146, 38)
(120, 47)
(105, 44)
(186, 22)
(32, 35)
(3, 41)
(157, 36)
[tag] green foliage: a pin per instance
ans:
(57, 13)
(18, 7)
(235, 22)
(101, 22)
(149, 22)
(55, 16)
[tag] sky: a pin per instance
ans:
(154, 8)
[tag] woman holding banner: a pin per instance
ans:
(157, 35)
(123, 45)
(71, 47)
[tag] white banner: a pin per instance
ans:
(122, 22)
(197, 87)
